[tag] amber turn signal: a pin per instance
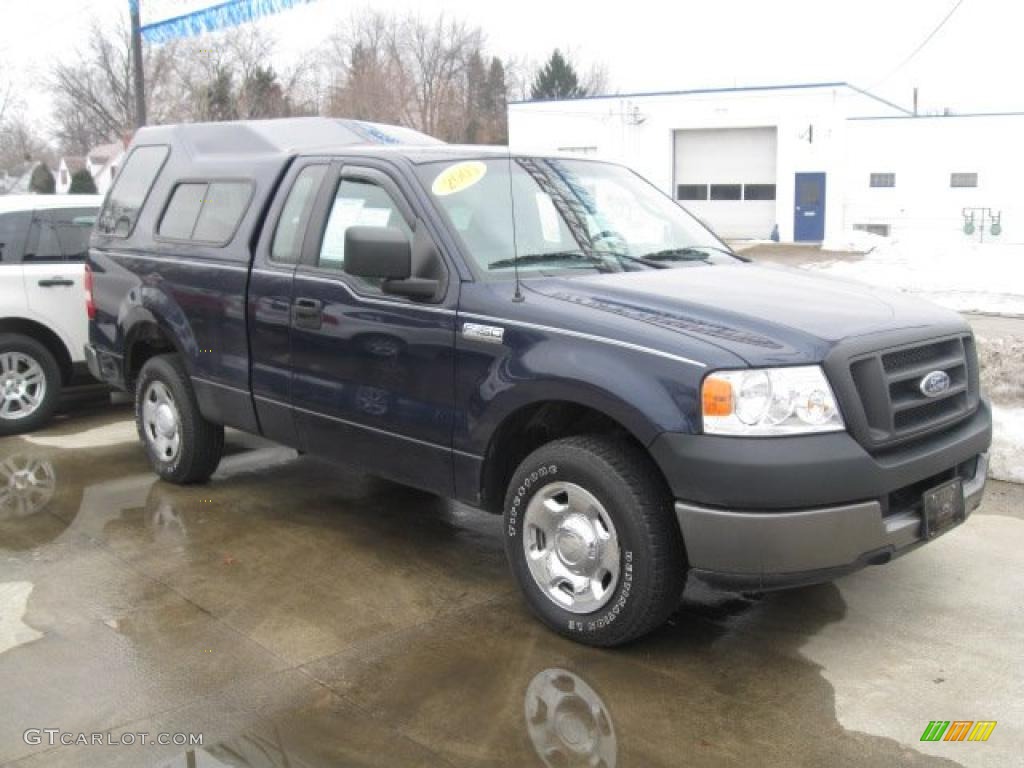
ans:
(716, 397)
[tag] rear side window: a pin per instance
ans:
(223, 206)
(60, 235)
(129, 192)
(295, 214)
(13, 230)
(180, 217)
(207, 212)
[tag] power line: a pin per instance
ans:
(924, 42)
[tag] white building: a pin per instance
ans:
(102, 163)
(812, 160)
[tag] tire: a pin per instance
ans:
(632, 522)
(30, 384)
(182, 446)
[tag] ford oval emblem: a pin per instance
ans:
(934, 383)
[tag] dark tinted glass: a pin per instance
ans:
(223, 206)
(963, 180)
(13, 230)
(725, 191)
(73, 227)
(292, 224)
(808, 192)
(129, 192)
(759, 192)
(43, 243)
(691, 191)
(180, 217)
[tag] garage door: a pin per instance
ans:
(726, 176)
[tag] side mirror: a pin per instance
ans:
(381, 252)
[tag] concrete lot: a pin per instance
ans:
(296, 614)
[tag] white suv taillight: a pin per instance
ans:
(90, 305)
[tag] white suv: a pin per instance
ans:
(44, 240)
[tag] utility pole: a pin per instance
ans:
(137, 73)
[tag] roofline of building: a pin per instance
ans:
(939, 117)
(736, 89)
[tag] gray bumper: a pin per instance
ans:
(770, 550)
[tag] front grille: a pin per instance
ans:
(889, 385)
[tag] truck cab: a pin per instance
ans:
(547, 338)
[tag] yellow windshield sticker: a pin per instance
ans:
(458, 177)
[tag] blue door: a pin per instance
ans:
(809, 214)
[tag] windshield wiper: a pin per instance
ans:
(689, 253)
(553, 257)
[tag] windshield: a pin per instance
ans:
(555, 214)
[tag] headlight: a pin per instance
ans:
(769, 401)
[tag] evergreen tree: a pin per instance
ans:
(41, 181)
(556, 80)
(82, 183)
(496, 102)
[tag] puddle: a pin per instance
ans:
(13, 605)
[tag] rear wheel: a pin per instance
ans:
(30, 384)
(182, 445)
(591, 538)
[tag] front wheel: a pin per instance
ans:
(182, 445)
(30, 384)
(592, 540)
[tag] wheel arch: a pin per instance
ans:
(146, 337)
(533, 424)
(45, 336)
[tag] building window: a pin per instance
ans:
(883, 179)
(874, 229)
(758, 191)
(726, 191)
(691, 192)
(963, 180)
(578, 150)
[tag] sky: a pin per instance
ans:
(971, 64)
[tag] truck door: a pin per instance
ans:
(373, 374)
(269, 301)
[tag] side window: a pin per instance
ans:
(205, 212)
(13, 231)
(43, 243)
(295, 214)
(179, 218)
(129, 192)
(223, 206)
(358, 202)
(73, 227)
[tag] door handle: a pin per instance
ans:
(56, 281)
(308, 313)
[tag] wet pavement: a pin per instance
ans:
(298, 614)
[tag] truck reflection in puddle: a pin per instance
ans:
(568, 723)
(27, 485)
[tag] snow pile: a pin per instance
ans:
(962, 275)
(856, 241)
(1007, 455)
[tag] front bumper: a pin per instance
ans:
(764, 550)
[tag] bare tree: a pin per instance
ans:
(93, 91)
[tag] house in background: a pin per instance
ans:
(66, 168)
(102, 163)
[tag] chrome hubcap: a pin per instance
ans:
(161, 421)
(568, 722)
(571, 547)
(26, 486)
(22, 385)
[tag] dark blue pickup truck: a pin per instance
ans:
(548, 338)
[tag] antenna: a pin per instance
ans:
(518, 295)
